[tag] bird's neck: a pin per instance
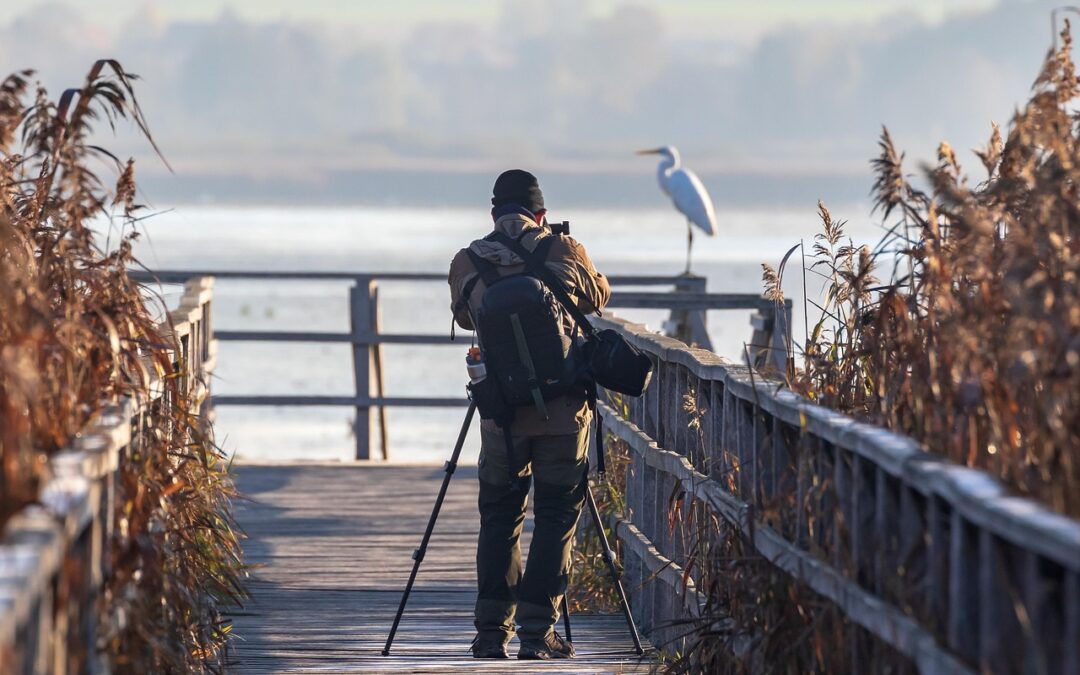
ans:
(668, 164)
(664, 169)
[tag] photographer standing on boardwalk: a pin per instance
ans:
(545, 442)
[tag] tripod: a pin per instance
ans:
(418, 554)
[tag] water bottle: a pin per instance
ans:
(474, 363)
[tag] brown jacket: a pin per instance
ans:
(569, 261)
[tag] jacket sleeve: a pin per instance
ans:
(460, 273)
(590, 288)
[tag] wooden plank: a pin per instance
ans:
(686, 301)
(332, 337)
(181, 275)
(406, 401)
(333, 543)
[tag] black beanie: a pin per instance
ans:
(518, 187)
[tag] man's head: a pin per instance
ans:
(518, 187)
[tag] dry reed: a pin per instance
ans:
(76, 334)
(972, 345)
(960, 328)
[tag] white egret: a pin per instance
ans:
(687, 193)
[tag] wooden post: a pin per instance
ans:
(780, 355)
(686, 325)
(377, 372)
(360, 313)
(769, 342)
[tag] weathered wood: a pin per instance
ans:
(331, 337)
(54, 555)
(980, 498)
(963, 634)
(685, 301)
(182, 276)
(377, 374)
(333, 544)
(350, 401)
(862, 607)
(360, 313)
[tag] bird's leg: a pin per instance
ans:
(689, 243)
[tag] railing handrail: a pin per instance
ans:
(367, 337)
(972, 492)
(182, 275)
(74, 521)
(960, 517)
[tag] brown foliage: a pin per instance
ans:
(76, 334)
(973, 346)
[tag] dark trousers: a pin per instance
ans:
(558, 465)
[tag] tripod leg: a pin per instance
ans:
(609, 557)
(418, 554)
(566, 620)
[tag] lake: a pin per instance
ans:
(418, 240)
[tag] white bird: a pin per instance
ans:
(687, 193)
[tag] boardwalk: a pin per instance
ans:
(334, 542)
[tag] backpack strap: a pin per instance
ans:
(534, 262)
(485, 270)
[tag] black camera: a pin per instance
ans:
(560, 228)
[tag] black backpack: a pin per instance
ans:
(529, 356)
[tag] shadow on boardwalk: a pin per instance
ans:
(334, 544)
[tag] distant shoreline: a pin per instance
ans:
(427, 188)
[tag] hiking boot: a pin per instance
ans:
(488, 648)
(551, 647)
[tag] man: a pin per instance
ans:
(553, 451)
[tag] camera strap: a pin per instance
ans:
(534, 262)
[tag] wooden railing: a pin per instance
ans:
(688, 303)
(934, 560)
(54, 557)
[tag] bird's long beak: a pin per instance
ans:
(654, 151)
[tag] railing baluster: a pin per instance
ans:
(842, 522)
(684, 382)
(803, 458)
(1035, 658)
(910, 564)
(729, 468)
(701, 439)
(963, 589)
(745, 452)
(937, 559)
(1071, 642)
(859, 511)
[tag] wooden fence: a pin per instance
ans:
(54, 557)
(688, 304)
(933, 561)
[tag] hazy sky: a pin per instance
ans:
(713, 12)
(306, 91)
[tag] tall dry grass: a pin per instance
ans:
(970, 343)
(961, 328)
(76, 334)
